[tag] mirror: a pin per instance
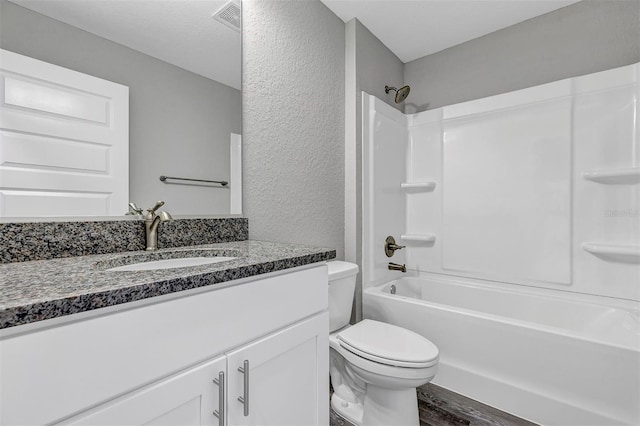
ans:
(182, 68)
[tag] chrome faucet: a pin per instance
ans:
(151, 222)
(396, 267)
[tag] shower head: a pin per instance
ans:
(401, 93)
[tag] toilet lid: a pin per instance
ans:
(388, 344)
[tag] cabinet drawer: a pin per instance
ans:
(70, 368)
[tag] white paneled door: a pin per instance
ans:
(64, 141)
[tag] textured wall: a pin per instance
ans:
(293, 122)
(582, 38)
(180, 122)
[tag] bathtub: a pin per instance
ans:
(555, 360)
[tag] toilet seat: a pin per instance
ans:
(388, 344)
(375, 367)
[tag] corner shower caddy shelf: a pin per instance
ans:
(621, 252)
(418, 186)
(418, 238)
(614, 176)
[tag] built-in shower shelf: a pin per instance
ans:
(614, 176)
(418, 238)
(418, 186)
(621, 252)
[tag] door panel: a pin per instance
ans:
(64, 141)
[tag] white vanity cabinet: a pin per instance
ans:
(187, 398)
(283, 382)
(156, 363)
(283, 378)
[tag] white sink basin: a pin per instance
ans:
(183, 262)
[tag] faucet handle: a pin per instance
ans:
(133, 209)
(156, 207)
(390, 246)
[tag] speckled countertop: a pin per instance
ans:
(43, 289)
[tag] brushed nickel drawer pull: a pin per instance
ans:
(244, 399)
(219, 413)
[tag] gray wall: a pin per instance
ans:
(293, 122)
(180, 122)
(582, 38)
(375, 66)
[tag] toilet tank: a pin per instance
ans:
(342, 285)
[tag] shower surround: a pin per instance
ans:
(527, 204)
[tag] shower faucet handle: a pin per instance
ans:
(397, 267)
(390, 246)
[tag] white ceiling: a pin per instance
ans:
(415, 28)
(181, 32)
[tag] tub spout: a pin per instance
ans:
(397, 267)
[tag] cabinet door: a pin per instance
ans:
(288, 377)
(185, 399)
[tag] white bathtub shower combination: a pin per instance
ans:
(520, 214)
(548, 359)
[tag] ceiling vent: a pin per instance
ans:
(229, 15)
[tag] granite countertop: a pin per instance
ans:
(44, 289)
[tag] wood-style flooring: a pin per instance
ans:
(441, 407)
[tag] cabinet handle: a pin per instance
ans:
(219, 413)
(245, 398)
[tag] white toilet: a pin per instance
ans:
(375, 367)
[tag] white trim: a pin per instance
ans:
(235, 174)
(350, 146)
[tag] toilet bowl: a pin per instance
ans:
(375, 367)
